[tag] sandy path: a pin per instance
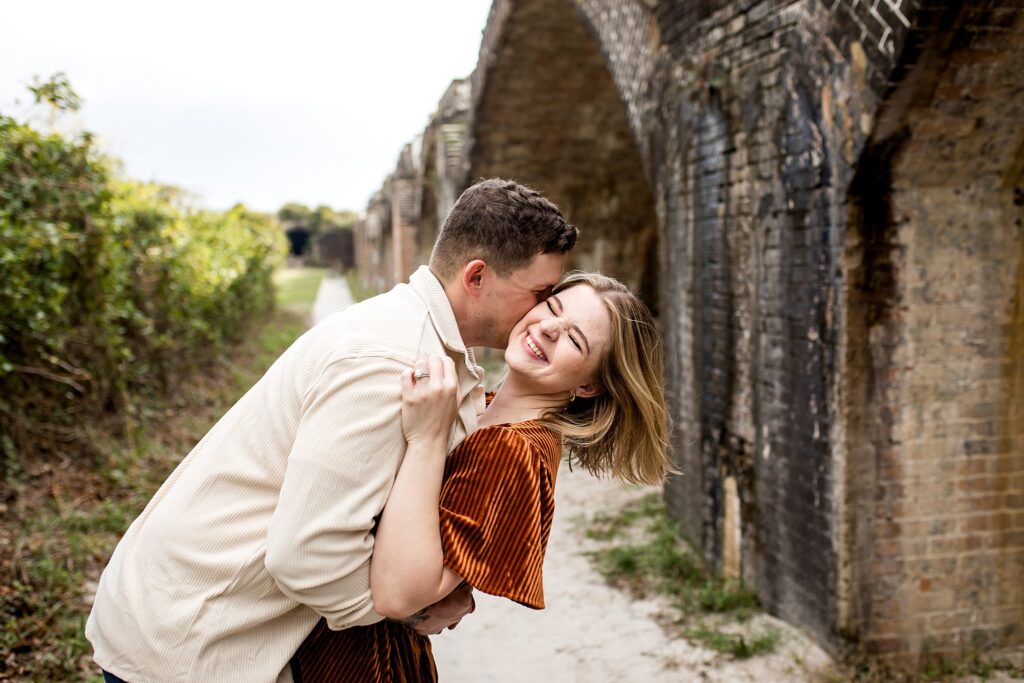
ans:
(591, 632)
(333, 295)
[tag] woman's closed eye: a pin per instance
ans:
(571, 337)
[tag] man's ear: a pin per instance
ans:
(473, 277)
(589, 390)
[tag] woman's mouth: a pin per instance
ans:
(534, 348)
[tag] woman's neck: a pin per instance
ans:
(513, 404)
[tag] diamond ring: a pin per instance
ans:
(420, 374)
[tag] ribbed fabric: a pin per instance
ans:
(265, 526)
(385, 652)
(497, 503)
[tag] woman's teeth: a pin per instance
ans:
(533, 347)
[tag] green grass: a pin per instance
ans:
(297, 287)
(738, 645)
(606, 527)
(58, 534)
(644, 554)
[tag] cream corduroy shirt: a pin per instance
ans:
(266, 524)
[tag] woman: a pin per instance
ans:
(584, 374)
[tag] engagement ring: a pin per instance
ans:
(420, 374)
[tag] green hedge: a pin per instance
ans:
(109, 287)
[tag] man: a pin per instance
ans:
(266, 525)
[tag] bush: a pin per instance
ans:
(109, 287)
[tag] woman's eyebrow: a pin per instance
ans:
(561, 309)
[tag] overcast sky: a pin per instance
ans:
(258, 102)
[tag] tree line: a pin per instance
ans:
(109, 287)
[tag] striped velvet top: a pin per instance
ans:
(497, 503)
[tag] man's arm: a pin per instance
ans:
(340, 470)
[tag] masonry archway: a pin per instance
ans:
(547, 113)
(935, 372)
(298, 240)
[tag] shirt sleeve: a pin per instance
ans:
(492, 515)
(340, 470)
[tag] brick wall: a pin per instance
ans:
(938, 342)
(737, 147)
(374, 248)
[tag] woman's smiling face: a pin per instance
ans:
(558, 345)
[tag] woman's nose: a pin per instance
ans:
(552, 327)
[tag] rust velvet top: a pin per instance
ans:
(497, 503)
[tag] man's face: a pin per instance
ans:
(509, 298)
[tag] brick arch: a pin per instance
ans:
(935, 372)
(546, 112)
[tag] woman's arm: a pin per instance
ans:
(407, 571)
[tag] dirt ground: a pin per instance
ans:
(595, 633)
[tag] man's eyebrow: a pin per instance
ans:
(576, 327)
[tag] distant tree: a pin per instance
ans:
(347, 219)
(56, 91)
(317, 221)
(322, 219)
(326, 219)
(295, 213)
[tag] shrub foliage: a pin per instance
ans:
(109, 287)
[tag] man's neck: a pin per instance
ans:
(458, 303)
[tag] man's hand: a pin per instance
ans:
(445, 613)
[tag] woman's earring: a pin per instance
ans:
(572, 396)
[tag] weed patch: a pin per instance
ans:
(738, 645)
(645, 555)
(970, 666)
(66, 518)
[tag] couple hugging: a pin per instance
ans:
(350, 502)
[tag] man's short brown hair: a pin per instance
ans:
(502, 223)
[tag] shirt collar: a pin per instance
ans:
(429, 288)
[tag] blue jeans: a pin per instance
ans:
(111, 678)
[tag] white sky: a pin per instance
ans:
(259, 102)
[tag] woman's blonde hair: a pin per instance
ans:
(624, 428)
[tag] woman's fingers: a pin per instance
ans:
(436, 367)
(451, 378)
(420, 370)
(430, 398)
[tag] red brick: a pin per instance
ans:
(986, 484)
(955, 545)
(950, 621)
(883, 646)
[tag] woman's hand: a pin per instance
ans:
(430, 404)
(407, 572)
